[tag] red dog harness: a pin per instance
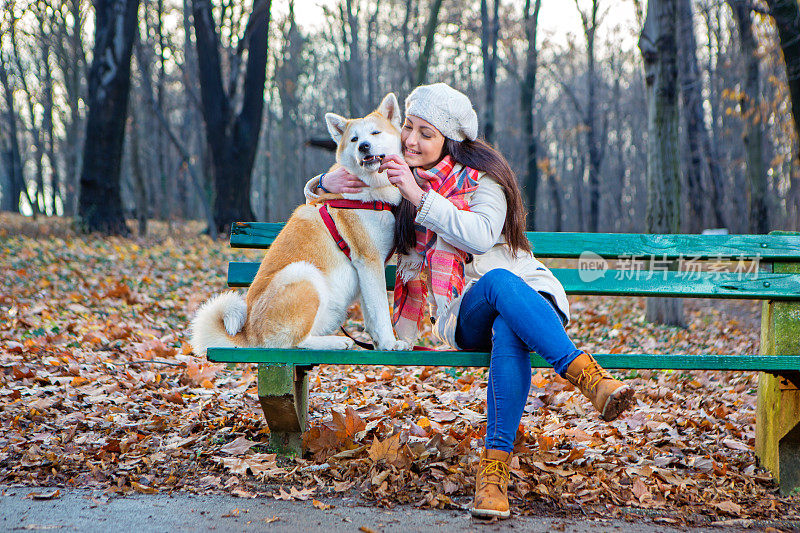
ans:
(347, 204)
(340, 242)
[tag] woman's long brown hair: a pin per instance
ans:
(481, 156)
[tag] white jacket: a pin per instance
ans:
(478, 232)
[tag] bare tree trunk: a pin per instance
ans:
(752, 134)
(355, 71)
(619, 170)
(658, 45)
(490, 27)
(527, 94)
(710, 143)
(49, 35)
(152, 145)
(560, 170)
(750, 104)
(596, 151)
(167, 194)
(373, 57)
(716, 180)
(139, 181)
(692, 99)
(47, 125)
(787, 18)
(579, 164)
(409, 77)
(205, 190)
(430, 34)
(37, 200)
(14, 157)
(266, 212)
(233, 138)
(5, 175)
(555, 198)
(288, 69)
(71, 60)
(100, 204)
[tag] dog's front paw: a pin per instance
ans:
(398, 345)
(347, 344)
(327, 342)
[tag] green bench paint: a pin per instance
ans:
(282, 374)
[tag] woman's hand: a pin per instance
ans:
(340, 181)
(399, 175)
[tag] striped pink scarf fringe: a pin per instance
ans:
(444, 268)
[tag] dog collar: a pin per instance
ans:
(358, 204)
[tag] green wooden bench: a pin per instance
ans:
(282, 374)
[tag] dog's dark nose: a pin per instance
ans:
(364, 147)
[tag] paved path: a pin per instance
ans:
(87, 511)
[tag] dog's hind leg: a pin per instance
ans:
(283, 316)
(326, 342)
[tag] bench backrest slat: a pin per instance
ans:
(677, 246)
(766, 286)
(606, 245)
(254, 234)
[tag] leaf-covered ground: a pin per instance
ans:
(99, 388)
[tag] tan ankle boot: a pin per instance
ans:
(609, 396)
(491, 485)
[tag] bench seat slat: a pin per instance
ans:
(777, 363)
(768, 286)
(762, 286)
(607, 245)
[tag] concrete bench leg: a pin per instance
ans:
(778, 430)
(789, 458)
(283, 393)
(778, 412)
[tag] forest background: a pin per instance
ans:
(564, 99)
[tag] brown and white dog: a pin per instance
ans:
(305, 283)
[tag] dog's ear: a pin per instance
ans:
(336, 124)
(390, 109)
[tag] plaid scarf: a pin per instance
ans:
(443, 263)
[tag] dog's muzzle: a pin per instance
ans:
(371, 160)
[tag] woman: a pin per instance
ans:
(462, 224)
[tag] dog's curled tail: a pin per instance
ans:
(219, 323)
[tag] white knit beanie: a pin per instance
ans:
(447, 109)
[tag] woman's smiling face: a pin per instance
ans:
(422, 143)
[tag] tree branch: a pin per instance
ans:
(568, 91)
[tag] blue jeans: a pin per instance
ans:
(502, 313)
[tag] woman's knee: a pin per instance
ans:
(498, 281)
(504, 338)
(499, 277)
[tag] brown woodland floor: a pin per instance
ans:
(98, 388)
